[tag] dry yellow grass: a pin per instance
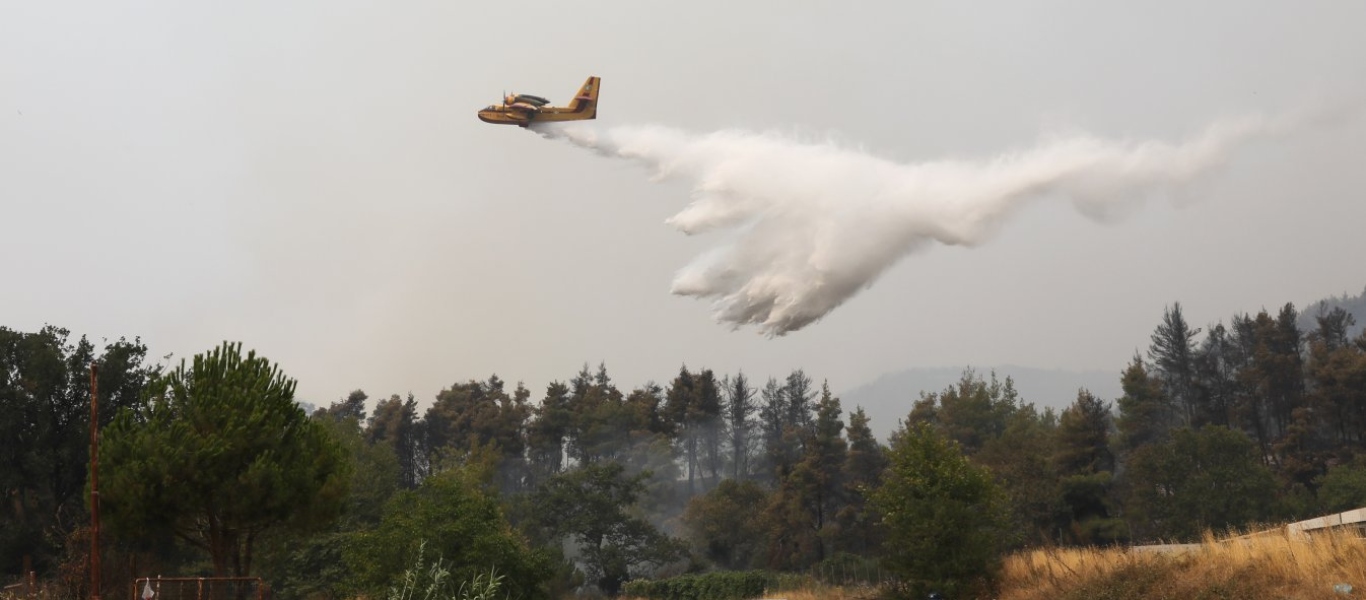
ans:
(827, 593)
(1255, 567)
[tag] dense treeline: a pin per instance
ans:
(591, 485)
(44, 435)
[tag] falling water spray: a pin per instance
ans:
(805, 226)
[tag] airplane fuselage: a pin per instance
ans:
(523, 110)
(515, 115)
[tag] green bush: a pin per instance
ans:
(945, 517)
(849, 569)
(721, 585)
(461, 523)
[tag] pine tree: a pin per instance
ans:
(1337, 375)
(353, 407)
(1173, 353)
(481, 414)
(1216, 367)
(220, 457)
(971, 412)
(1285, 365)
(798, 395)
(1083, 436)
(548, 432)
(863, 467)
(1021, 458)
(739, 408)
(706, 418)
(1145, 413)
(808, 498)
(601, 420)
(395, 423)
(779, 448)
(1251, 409)
(680, 411)
(827, 454)
(1086, 466)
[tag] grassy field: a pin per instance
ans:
(1254, 567)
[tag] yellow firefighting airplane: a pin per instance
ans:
(525, 109)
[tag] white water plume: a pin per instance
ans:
(809, 225)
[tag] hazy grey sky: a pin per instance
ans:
(309, 178)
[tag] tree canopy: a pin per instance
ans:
(945, 517)
(1223, 426)
(220, 456)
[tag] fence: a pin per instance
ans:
(27, 588)
(199, 588)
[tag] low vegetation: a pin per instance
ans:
(725, 585)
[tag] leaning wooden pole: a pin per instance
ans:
(94, 484)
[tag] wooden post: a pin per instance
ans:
(94, 484)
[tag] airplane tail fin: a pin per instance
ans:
(587, 98)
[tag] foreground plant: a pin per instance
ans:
(433, 582)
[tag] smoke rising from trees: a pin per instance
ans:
(807, 225)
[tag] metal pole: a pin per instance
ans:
(94, 484)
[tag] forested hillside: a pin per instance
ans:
(1354, 305)
(589, 484)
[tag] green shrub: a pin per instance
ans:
(721, 585)
(461, 523)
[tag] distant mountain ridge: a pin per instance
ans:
(888, 399)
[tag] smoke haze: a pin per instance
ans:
(309, 178)
(806, 225)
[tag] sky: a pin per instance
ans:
(309, 178)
